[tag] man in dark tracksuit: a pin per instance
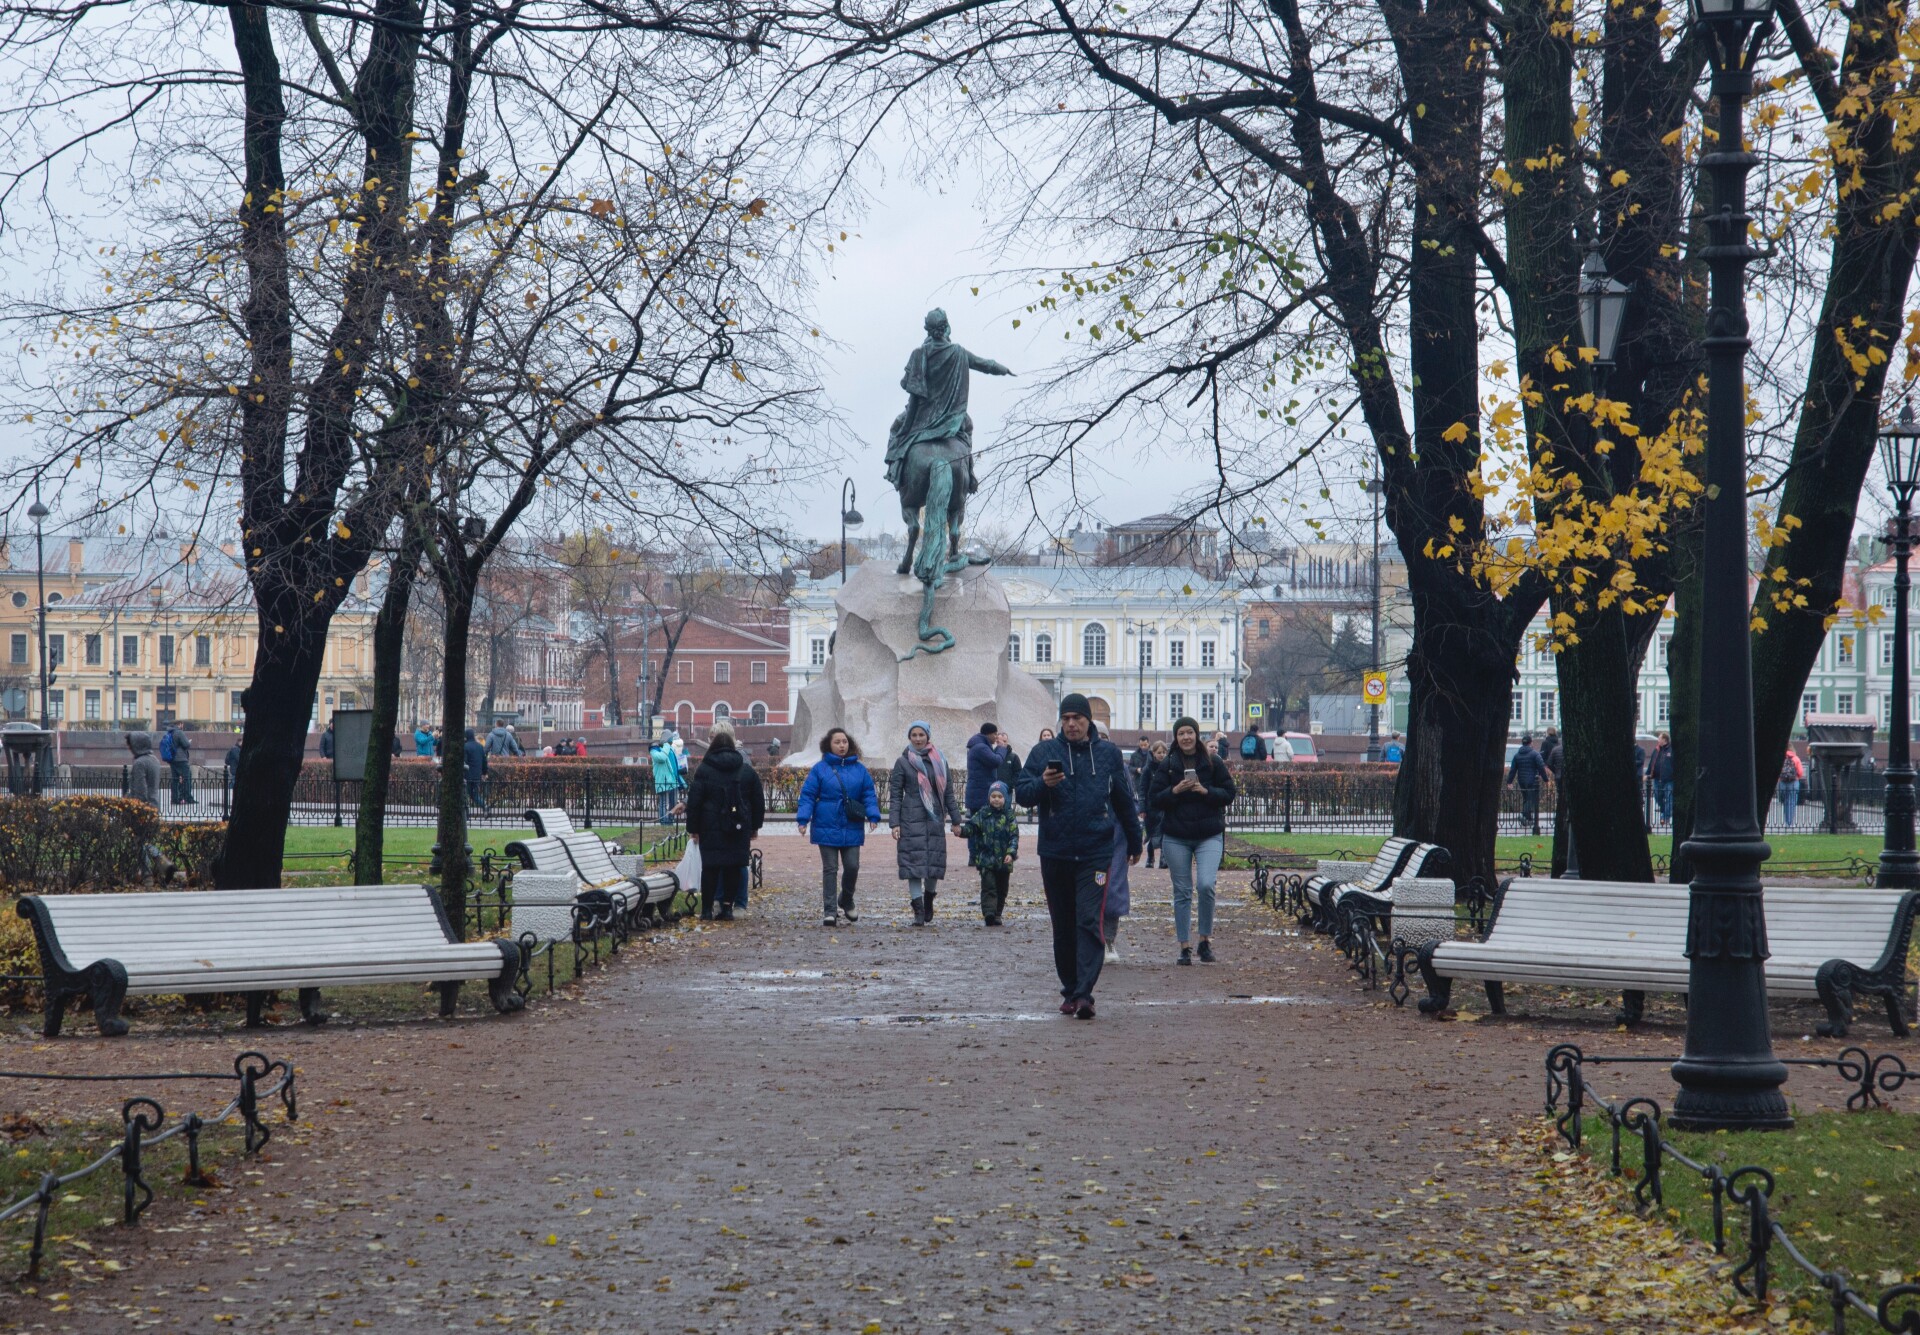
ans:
(1078, 782)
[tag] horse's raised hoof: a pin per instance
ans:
(905, 567)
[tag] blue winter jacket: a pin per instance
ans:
(832, 781)
(983, 767)
(422, 743)
(1077, 815)
(666, 768)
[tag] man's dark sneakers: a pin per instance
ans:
(1206, 952)
(1084, 1011)
(1068, 1006)
(1186, 954)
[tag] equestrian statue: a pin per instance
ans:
(930, 463)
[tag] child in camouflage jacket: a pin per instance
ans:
(993, 843)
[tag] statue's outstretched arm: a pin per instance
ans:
(986, 365)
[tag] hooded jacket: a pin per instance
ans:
(666, 768)
(1077, 815)
(143, 776)
(831, 784)
(1191, 817)
(725, 807)
(983, 769)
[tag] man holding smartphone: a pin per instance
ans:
(1078, 783)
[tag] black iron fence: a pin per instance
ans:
(145, 1126)
(1748, 1188)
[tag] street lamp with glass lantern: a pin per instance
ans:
(1900, 455)
(1603, 306)
(1728, 1077)
(850, 521)
(38, 512)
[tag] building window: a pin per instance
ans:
(236, 708)
(1013, 648)
(56, 705)
(56, 650)
(1549, 702)
(1146, 708)
(1843, 651)
(722, 712)
(203, 651)
(1093, 646)
(17, 650)
(1043, 648)
(1519, 713)
(683, 673)
(817, 651)
(722, 672)
(1176, 653)
(1809, 703)
(1663, 709)
(129, 651)
(757, 714)
(19, 599)
(1146, 653)
(91, 648)
(91, 704)
(1843, 703)
(1263, 627)
(1666, 649)
(1176, 704)
(349, 700)
(1209, 652)
(129, 704)
(757, 673)
(166, 651)
(1207, 707)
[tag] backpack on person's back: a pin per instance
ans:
(166, 746)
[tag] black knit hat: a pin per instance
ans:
(1075, 703)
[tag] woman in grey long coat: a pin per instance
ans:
(921, 808)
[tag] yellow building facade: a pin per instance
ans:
(149, 633)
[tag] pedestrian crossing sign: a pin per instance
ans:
(1373, 688)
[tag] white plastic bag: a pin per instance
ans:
(688, 869)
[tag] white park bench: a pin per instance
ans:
(582, 864)
(549, 821)
(1830, 943)
(1335, 878)
(107, 947)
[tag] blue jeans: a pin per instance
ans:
(1195, 865)
(1789, 800)
(1663, 798)
(666, 804)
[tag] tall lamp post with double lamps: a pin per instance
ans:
(1900, 454)
(1728, 1076)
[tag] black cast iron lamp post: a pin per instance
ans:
(850, 519)
(1900, 454)
(38, 512)
(1728, 1077)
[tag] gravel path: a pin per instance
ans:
(766, 1126)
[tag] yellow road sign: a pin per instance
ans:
(1373, 688)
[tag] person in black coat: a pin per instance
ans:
(1526, 772)
(1190, 791)
(725, 809)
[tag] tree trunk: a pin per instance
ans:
(279, 705)
(615, 716)
(389, 638)
(456, 863)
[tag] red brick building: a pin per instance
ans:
(733, 671)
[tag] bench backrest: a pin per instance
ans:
(1426, 860)
(549, 821)
(212, 926)
(1804, 922)
(589, 854)
(1386, 864)
(545, 854)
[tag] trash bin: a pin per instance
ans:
(29, 758)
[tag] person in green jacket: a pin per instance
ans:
(993, 843)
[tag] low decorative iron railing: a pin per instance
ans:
(145, 1123)
(1896, 1309)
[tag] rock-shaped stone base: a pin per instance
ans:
(870, 692)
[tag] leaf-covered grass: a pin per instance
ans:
(322, 849)
(1846, 1190)
(1790, 851)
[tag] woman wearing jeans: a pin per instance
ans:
(838, 801)
(1191, 790)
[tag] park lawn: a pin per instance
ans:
(1790, 851)
(1846, 1189)
(323, 848)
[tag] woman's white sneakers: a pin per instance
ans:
(1113, 954)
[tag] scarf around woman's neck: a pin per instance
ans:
(930, 768)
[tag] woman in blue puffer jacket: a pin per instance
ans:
(837, 794)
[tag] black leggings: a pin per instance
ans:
(721, 884)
